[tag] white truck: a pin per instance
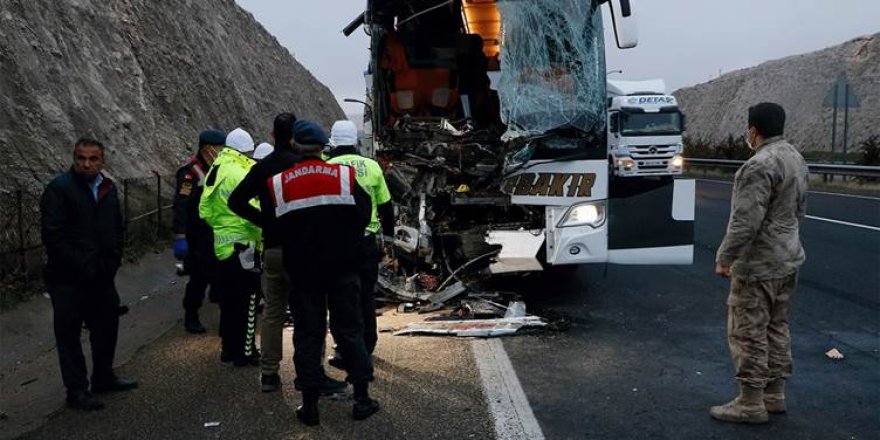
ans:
(490, 120)
(644, 129)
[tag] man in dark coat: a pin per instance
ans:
(82, 230)
(193, 239)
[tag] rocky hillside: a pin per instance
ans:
(800, 83)
(143, 76)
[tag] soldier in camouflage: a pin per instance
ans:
(761, 253)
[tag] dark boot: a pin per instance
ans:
(332, 386)
(270, 383)
(308, 411)
(112, 384)
(83, 400)
(336, 361)
(192, 324)
(364, 406)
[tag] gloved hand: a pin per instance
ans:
(181, 248)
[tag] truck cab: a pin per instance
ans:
(644, 129)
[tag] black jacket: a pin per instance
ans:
(254, 185)
(83, 237)
(324, 241)
(187, 191)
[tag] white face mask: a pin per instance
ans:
(751, 146)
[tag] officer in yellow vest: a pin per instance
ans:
(237, 245)
(369, 175)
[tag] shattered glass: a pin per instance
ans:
(552, 66)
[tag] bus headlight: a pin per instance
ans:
(677, 161)
(584, 214)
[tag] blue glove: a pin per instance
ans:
(181, 248)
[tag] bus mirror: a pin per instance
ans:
(624, 21)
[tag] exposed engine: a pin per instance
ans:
(445, 181)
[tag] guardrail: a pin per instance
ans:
(815, 168)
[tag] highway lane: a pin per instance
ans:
(647, 355)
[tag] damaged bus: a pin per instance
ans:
(489, 117)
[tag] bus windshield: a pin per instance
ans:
(552, 68)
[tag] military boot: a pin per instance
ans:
(774, 396)
(748, 407)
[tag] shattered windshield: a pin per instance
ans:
(552, 66)
(653, 124)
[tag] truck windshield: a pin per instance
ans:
(553, 70)
(651, 124)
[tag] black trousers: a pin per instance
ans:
(310, 301)
(369, 275)
(97, 305)
(201, 264)
(238, 290)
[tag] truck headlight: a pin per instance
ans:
(677, 161)
(584, 214)
(625, 162)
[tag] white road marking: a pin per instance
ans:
(841, 222)
(824, 193)
(851, 196)
(508, 404)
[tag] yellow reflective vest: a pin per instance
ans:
(227, 171)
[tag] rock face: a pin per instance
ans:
(800, 84)
(142, 76)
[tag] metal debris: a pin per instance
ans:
(484, 328)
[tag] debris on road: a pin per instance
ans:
(834, 354)
(484, 328)
(212, 424)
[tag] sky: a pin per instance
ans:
(685, 42)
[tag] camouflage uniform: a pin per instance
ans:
(762, 246)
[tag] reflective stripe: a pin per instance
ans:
(344, 180)
(279, 191)
(198, 169)
(311, 202)
(344, 198)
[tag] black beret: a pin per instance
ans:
(212, 137)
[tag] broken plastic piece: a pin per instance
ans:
(834, 354)
(483, 328)
(516, 309)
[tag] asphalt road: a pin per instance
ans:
(647, 356)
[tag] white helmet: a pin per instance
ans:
(240, 141)
(344, 133)
(263, 150)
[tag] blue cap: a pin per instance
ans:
(212, 137)
(309, 135)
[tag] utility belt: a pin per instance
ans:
(249, 257)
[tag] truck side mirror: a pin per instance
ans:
(614, 123)
(683, 122)
(624, 20)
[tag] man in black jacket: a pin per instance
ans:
(323, 213)
(276, 285)
(193, 239)
(82, 230)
